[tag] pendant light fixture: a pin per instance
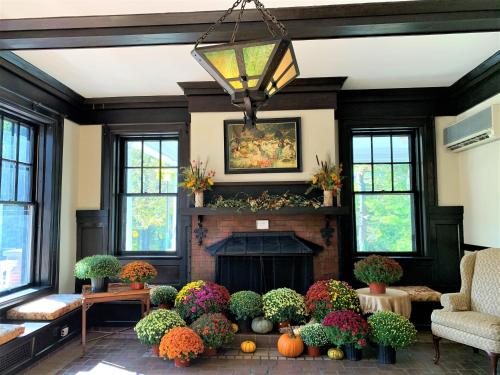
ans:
(253, 71)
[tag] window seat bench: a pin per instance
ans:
(423, 301)
(48, 323)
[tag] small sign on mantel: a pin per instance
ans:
(262, 224)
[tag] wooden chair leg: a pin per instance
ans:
(493, 361)
(437, 354)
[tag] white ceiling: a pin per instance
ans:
(370, 63)
(61, 8)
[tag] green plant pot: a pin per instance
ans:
(245, 325)
(352, 353)
(386, 354)
(99, 284)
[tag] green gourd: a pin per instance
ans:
(261, 325)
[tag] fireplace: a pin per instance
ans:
(264, 261)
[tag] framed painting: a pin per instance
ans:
(273, 147)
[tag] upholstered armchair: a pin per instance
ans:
(472, 317)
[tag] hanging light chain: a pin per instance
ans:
(273, 24)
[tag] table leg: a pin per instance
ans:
(148, 305)
(142, 308)
(84, 326)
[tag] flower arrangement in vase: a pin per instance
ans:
(347, 328)
(284, 306)
(153, 326)
(328, 178)
(215, 331)
(137, 273)
(163, 296)
(197, 179)
(378, 271)
(314, 336)
(390, 331)
(182, 345)
(97, 268)
(325, 296)
(245, 306)
(200, 297)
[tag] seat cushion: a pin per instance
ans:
(9, 332)
(420, 293)
(479, 324)
(46, 308)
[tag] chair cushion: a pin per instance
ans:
(485, 292)
(9, 332)
(479, 324)
(46, 308)
(420, 293)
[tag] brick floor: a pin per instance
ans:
(122, 354)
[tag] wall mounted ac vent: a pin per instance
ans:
(480, 128)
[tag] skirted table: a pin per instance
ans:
(394, 300)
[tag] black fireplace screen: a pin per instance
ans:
(264, 261)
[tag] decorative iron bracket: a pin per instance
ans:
(327, 231)
(200, 232)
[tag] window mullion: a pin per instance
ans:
(372, 164)
(1, 147)
(142, 166)
(16, 171)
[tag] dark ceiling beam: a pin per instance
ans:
(479, 84)
(317, 22)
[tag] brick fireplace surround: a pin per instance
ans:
(305, 226)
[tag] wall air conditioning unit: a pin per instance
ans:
(480, 128)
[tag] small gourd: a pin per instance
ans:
(290, 345)
(234, 327)
(261, 325)
(248, 346)
(335, 353)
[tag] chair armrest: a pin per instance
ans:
(455, 302)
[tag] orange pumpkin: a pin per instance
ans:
(248, 346)
(290, 345)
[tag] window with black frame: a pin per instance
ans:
(385, 192)
(17, 204)
(148, 195)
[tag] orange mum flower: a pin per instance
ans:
(181, 342)
(140, 272)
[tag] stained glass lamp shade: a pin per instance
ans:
(255, 70)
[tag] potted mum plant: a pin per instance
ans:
(349, 329)
(197, 179)
(314, 336)
(390, 331)
(200, 297)
(182, 345)
(153, 327)
(328, 178)
(325, 296)
(215, 331)
(245, 306)
(377, 271)
(284, 306)
(137, 273)
(97, 268)
(163, 296)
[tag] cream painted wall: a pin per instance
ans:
(69, 189)
(80, 189)
(471, 178)
(318, 137)
(89, 167)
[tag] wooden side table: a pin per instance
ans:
(89, 299)
(394, 300)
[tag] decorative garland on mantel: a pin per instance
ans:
(264, 202)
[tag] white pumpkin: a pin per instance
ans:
(261, 325)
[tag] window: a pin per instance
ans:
(384, 189)
(148, 195)
(17, 206)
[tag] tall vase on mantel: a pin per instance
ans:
(327, 198)
(337, 197)
(198, 198)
